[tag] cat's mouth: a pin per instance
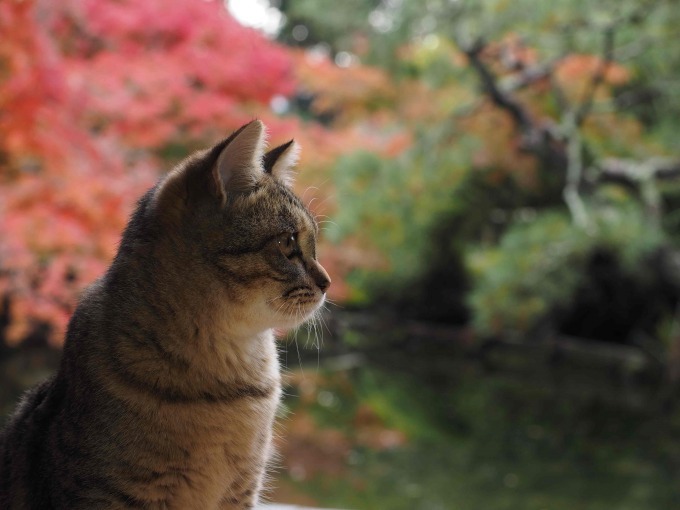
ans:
(299, 303)
(300, 293)
(305, 296)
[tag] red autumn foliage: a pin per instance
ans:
(98, 97)
(159, 71)
(89, 93)
(575, 74)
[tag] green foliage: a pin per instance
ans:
(326, 21)
(396, 205)
(469, 188)
(537, 266)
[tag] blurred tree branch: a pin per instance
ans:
(642, 175)
(559, 143)
(627, 170)
(586, 104)
(490, 84)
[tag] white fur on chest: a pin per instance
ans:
(199, 451)
(207, 450)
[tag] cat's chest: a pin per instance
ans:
(206, 423)
(199, 452)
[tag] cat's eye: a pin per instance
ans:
(288, 245)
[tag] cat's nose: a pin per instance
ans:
(324, 283)
(321, 278)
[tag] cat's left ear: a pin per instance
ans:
(239, 165)
(280, 161)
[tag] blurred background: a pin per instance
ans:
(498, 184)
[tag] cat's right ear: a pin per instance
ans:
(280, 161)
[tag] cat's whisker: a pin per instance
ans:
(323, 218)
(281, 306)
(276, 298)
(320, 321)
(286, 394)
(319, 318)
(323, 321)
(324, 201)
(309, 205)
(304, 193)
(297, 347)
(318, 341)
(323, 222)
(298, 316)
(316, 332)
(327, 221)
(333, 303)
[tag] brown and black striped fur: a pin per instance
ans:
(169, 382)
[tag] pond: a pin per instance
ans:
(371, 424)
(387, 416)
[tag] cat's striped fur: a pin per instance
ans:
(169, 382)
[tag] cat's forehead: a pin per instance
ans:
(291, 211)
(276, 209)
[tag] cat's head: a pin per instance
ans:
(244, 235)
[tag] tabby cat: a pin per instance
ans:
(166, 393)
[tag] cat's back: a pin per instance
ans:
(27, 446)
(23, 447)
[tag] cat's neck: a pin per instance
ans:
(192, 319)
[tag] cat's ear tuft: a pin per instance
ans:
(239, 165)
(280, 161)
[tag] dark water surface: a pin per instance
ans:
(522, 429)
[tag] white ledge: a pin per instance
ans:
(273, 506)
